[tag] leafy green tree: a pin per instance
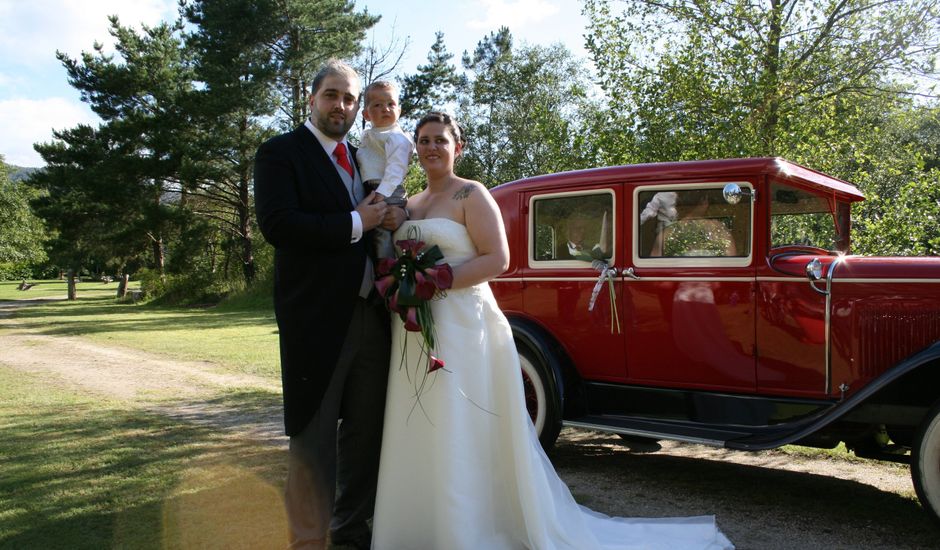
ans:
(909, 224)
(719, 78)
(21, 233)
(489, 89)
(828, 84)
(184, 105)
(306, 34)
(523, 110)
(434, 86)
(134, 159)
(98, 219)
(231, 113)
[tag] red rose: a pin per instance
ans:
(434, 363)
(411, 320)
(410, 247)
(442, 275)
(424, 286)
(385, 266)
(382, 285)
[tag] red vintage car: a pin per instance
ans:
(717, 302)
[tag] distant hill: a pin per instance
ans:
(18, 173)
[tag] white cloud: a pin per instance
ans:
(27, 121)
(32, 31)
(512, 13)
(32, 82)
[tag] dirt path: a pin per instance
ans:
(769, 500)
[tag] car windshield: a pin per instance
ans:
(799, 218)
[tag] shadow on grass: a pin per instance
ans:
(735, 492)
(252, 413)
(98, 315)
(87, 476)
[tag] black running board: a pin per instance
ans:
(702, 435)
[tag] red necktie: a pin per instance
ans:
(342, 158)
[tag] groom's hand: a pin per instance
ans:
(395, 216)
(371, 214)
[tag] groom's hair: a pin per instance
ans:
(330, 68)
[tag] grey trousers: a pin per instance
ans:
(381, 237)
(326, 459)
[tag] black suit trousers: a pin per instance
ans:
(330, 458)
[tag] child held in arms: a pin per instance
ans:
(384, 153)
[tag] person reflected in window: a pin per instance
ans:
(578, 226)
(697, 232)
(659, 213)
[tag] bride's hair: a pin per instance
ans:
(448, 121)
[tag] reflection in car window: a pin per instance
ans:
(573, 227)
(798, 218)
(692, 223)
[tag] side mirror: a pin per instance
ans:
(733, 193)
(814, 272)
(814, 269)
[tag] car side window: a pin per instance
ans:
(692, 223)
(801, 219)
(572, 227)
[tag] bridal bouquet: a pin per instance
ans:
(409, 282)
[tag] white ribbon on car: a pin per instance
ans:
(608, 274)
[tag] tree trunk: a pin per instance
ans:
(771, 81)
(122, 286)
(244, 217)
(72, 294)
(159, 258)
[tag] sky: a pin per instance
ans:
(35, 97)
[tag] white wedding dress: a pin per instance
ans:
(461, 466)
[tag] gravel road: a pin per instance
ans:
(769, 500)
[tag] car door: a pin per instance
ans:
(791, 323)
(689, 298)
(573, 235)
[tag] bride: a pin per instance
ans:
(461, 467)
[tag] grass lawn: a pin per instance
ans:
(59, 289)
(81, 472)
(242, 339)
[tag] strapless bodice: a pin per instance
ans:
(450, 236)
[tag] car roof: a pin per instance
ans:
(667, 172)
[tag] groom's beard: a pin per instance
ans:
(336, 129)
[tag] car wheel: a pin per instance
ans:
(925, 463)
(541, 398)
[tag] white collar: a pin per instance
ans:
(329, 144)
(391, 127)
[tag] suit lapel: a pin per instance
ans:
(314, 155)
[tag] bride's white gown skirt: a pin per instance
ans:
(461, 466)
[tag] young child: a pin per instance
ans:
(384, 153)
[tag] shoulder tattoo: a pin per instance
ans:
(463, 192)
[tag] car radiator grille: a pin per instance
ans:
(890, 332)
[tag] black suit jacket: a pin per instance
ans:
(303, 209)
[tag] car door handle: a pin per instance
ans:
(630, 273)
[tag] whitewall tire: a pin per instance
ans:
(925, 463)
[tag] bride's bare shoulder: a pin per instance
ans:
(465, 189)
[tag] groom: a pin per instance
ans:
(334, 341)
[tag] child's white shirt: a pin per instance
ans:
(384, 154)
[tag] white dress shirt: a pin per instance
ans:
(329, 145)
